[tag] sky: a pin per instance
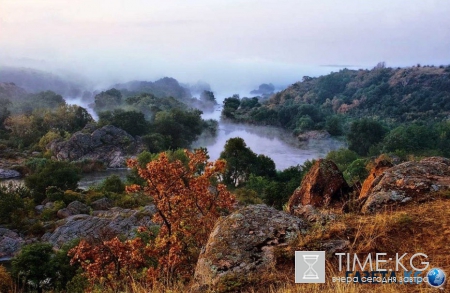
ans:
(232, 44)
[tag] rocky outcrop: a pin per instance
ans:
(408, 182)
(10, 243)
(116, 221)
(243, 243)
(313, 134)
(74, 208)
(109, 144)
(102, 204)
(322, 186)
(374, 174)
(8, 174)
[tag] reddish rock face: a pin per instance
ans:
(322, 186)
(374, 176)
(408, 182)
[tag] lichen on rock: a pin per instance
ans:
(243, 243)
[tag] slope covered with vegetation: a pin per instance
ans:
(386, 109)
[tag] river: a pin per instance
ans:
(281, 146)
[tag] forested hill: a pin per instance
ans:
(396, 95)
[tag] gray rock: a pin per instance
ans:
(102, 204)
(109, 144)
(10, 243)
(312, 214)
(335, 245)
(243, 243)
(63, 213)
(8, 174)
(74, 208)
(116, 220)
(39, 209)
(77, 207)
(407, 182)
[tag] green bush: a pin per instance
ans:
(247, 196)
(112, 183)
(12, 203)
(342, 158)
(356, 171)
(62, 175)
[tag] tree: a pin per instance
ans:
(113, 183)
(45, 100)
(180, 128)
(412, 139)
(241, 161)
(342, 158)
(230, 105)
(188, 198)
(68, 118)
(334, 125)
(33, 265)
(23, 129)
(108, 100)
(363, 134)
(208, 97)
(131, 121)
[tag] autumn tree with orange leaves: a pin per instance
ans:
(111, 263)
(189, 198)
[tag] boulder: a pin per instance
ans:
(374, 175)
(74, 208)
(109, 145)
(8, 174)
(322, 186)
(243, 243)
(10, 243)
(408, 182)
(102, 204)
(117, 221)
(311, 214)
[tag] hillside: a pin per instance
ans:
(34, 80)
(395, 94)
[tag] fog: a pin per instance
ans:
(283, 148)
(233, 45)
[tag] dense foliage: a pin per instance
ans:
(189, 198)
(372, 108)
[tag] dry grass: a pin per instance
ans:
(415, 228)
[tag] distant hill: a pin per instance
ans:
(11, 92)
(162, 88)
(395, 95)
(33, 81)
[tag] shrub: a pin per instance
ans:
(247, 196)
(6, 282)
(112, 183)
(59, 174)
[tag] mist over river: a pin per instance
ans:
(281, 146)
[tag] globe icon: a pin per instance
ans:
(436, 277)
